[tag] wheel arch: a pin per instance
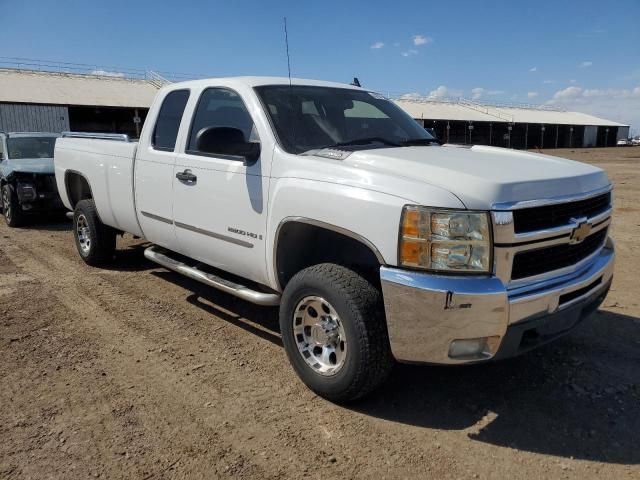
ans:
(77, 187)
(295, 248)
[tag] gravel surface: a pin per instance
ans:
(136, 372)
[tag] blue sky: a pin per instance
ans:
(582, 55)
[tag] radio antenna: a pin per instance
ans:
(286, 42)
(291, 106)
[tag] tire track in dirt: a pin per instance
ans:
(569, 410)
(171, 403)
(114, 316)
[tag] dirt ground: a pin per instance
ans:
(135, 372)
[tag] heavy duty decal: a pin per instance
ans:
(246, 234)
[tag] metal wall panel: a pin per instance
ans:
(27, 117)
(623, 132)
(590, 138)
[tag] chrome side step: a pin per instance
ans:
(159, 256)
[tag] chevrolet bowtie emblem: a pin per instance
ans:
(581, 232)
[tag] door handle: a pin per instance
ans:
(186, 176)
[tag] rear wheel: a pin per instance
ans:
(13, 214)
(334, 332)
(95, 241)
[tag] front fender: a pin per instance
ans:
(369, 216)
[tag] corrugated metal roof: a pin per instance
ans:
(453, 110)
(526, 115)
(442, 111)
(69, 89)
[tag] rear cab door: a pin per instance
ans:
(220, 201)
(153, 169)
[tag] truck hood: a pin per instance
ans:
(481, 176)
(29, 165)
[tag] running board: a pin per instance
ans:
(259, 298)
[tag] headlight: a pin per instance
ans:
(445, 240)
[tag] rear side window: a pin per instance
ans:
(168, 122)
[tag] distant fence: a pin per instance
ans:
(100, 71)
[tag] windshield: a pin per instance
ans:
(308, 118)
(30, 147)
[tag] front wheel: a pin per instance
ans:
(334, 332)
(95, 241)
(13, 214)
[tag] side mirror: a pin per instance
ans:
(227, 141)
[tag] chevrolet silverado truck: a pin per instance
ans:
(27, 182)
(377, 243)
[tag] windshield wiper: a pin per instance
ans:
(365, 141)
(420, 141)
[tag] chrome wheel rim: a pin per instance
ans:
(6, 204)
(319, 335)
(82, 232)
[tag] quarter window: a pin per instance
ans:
(221, 107)
(168, 122)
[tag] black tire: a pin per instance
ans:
(13, 214)
(359, 305)
(101, 238)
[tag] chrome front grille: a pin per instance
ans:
(552, 216)
(568, 234)
(530, 263)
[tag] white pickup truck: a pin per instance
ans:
(377, 242)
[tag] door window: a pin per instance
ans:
(168, 123)
(221, 107)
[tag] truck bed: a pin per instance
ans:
(107, 166)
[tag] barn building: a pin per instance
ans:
(38, 101)
(512, 126)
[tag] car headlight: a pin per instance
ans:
(445, 240)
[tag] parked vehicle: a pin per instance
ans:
(635, 141)
(328, 200)
(27, 181)
(624, 142)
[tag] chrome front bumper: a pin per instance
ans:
(426, 313)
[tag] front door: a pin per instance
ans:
(219, 201)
